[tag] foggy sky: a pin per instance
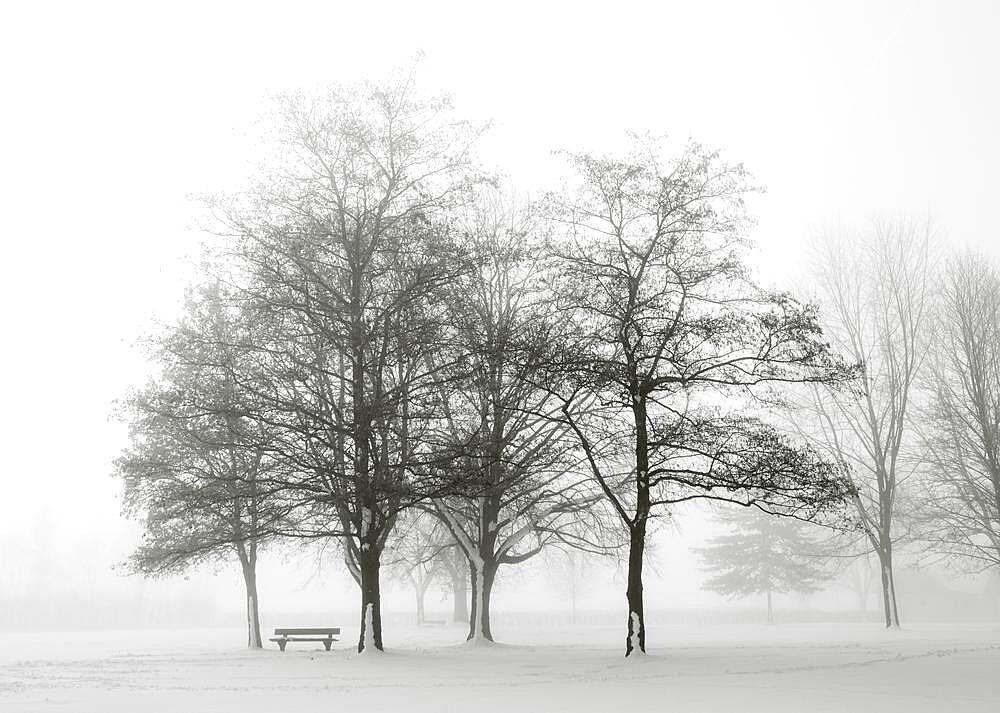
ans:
(115, 114)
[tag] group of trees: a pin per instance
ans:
(389, 352)
(917, 431)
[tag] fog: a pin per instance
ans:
(56, 579)
(117, 115)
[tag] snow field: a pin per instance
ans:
(814, 667)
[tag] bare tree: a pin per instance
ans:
(420, 549)
(456, 568)
(960, 493)
(523, 489)
(860, 578)
(571, 571)
(346, 249)
(197, 470)
(875, 291)
(670, 343)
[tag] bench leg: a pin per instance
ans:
(281, 645)
(327, 644)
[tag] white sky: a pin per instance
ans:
(113, 114)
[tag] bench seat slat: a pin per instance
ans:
(301, 638)
(306, 631)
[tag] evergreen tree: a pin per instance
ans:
(762, 554)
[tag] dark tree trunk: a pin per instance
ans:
(636, 637)
(633, 594)
(485, 562)
(474, 608)
(371, 600)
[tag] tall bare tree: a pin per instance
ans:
(960, 493)
(346, 250)
(523, 487)
(875, 288)
(669, 343)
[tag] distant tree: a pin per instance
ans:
(671, 346)
(860, 578)
(959, 512)
(571, 572)
(762, 554)
(456, 569)
(197, 470)
(417, 554)
(875, 291)
(523, 487)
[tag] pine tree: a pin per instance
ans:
(762, 554)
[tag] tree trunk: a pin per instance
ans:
(770, 609)
(886, 607)
(888, 589)
(419, 590)
(636, 637)
(864, 587)
(460, 592)
(371, 601)
(249, 566)
(483, 576)
(893, 606)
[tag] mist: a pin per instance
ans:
(160, 190)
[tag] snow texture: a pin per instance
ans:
(477, 573)
(366, 523)
(814, 668)
(369, 630)
(251, 604)
(634, 636)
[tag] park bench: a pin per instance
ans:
(325, 635)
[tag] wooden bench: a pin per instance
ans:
(325, 635)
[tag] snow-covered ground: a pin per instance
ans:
(801, 668)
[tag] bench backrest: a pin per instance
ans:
(329, 631)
